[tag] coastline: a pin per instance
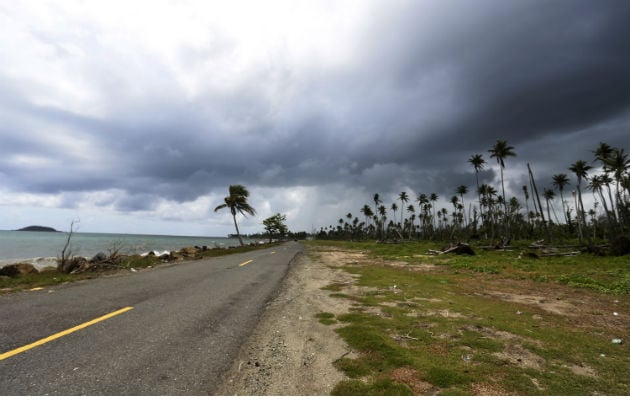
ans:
(42, 248)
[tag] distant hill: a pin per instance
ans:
(37, 228)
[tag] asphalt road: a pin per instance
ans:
(183, 331)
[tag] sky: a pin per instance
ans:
(135, 116)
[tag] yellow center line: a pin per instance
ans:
(35, 289)
(63, 333)
(245, 263)
(273, 252)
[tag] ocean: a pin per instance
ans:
(40, 248)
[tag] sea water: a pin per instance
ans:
(40, 248)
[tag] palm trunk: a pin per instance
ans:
(566, 221)
(238, 234)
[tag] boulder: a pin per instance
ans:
(14, 270)
(9, 270)
(620, 246)
(99, 257)
(189, 251)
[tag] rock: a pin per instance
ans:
(189, 251)
(9, 270)
(166, 257)
(27, 269)
(99, 257)
(14, 270)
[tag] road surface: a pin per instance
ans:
(171, 330)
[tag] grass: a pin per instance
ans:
(52, 277)
(456, 332)
(604, 274)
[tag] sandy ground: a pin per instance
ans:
(291, 352)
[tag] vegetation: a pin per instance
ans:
(276, 224)
(495, 218)
(237, 202)
(496, 323)
(53, 276)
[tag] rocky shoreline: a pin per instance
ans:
(104, 262)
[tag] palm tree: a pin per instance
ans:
(367, 211)
(403, 199)
(461, 191)
(477, 161)
(603, 152)
(434, 197)
(382, 210)
(560, 181)
(580, 168)
(394, 208)
(455, 203)
(549, 195)
(501, 151)
(618, 163)
(526, 193)
(237, 202)
(377, 201)
(596, 184)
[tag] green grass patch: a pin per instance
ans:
(446, 323)
(381, 387)
(326, 318)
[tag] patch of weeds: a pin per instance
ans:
(335, 287)
(326, 318)
(380, 387)
(443, 377)
(475, 341)
(353, 368)
(42, 279)
(381, 351)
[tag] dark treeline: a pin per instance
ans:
(493, 217)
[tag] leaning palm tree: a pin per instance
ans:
(237, 202)
(461, 191)
(501, 151)
(560, 181)
(603, 152)
(596, 184)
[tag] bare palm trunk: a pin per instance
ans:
(238, 233)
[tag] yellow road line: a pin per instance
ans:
(35, 289)
(273, 252)
(63, 333)
(245, 263)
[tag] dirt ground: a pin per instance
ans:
(291, 352)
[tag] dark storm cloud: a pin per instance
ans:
(527, 69)
(429, 84)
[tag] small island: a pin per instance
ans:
(37, 228)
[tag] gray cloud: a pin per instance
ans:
(423, 87)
